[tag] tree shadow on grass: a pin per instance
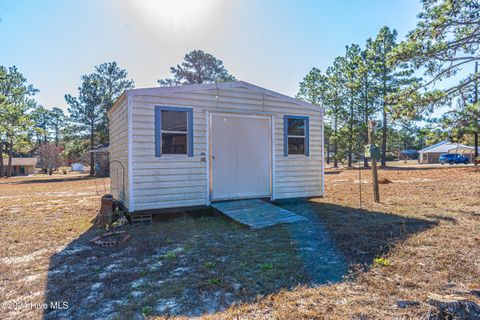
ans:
(203, 263)
(360, 235)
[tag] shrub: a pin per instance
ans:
(169, 255)
(147, 310)
(381, 262)
(266, 266)
(214, 282)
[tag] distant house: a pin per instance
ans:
(408, 154)
(432, 153)
(21, 166)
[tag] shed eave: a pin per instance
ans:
(118, 102)
(209, 86)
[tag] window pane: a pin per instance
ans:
(296, 127)
(174, 120)
(296, 145)
(174, 143)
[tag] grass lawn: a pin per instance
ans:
(348, 262)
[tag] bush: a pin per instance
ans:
(169, 255)
(381, 262)
(214, 282)
(266, 266)
(147, 311)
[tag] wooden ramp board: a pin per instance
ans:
(256, 213)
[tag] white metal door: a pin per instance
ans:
(240, 156)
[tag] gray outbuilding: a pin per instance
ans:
(186, 146)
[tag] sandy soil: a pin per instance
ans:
(426, 229)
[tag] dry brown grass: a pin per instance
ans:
(40, 217)
(443, 259)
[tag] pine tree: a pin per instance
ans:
(96, 95)
(57, 123)
(15, 119)
(41, 119)
(335, 98)
(368, 94)
(445, 40)
(198, 67)
(314, 89)
(390, 78)
(350, 68)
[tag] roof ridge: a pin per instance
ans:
(435, 145)
(216, 85)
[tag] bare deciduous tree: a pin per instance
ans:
(49, 157)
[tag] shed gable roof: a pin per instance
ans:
(212, 86)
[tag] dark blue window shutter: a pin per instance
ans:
(158, 132)
(285, 136)
(190, 133)
(307, 137)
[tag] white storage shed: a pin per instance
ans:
(77, 166)
(184, 146)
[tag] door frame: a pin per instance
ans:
(209, 166)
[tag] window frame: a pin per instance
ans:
(306, 151)
(158, 131)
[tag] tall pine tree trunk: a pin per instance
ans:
(384, 129)
(476, 144)
(365, 160)
(350, 143)
(39, 139)
(92, 158)
(475, 100)
(384, 137)
(328, 152)
(335, 159)
(335, 141)
(10, 158)
(1, 159)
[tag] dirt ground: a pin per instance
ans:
(426, 230)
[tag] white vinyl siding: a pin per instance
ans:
(119, 152)
(168, 181)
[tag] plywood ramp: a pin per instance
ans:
(256, 213)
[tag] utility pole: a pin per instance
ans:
(372, 125)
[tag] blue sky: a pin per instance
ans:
(268, 43)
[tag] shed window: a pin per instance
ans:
(296, 135)
(173, 131)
